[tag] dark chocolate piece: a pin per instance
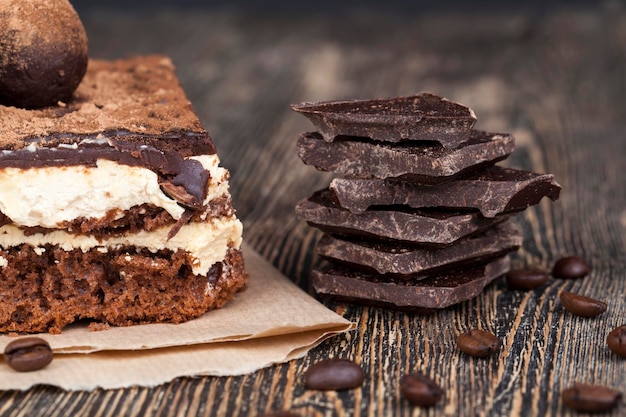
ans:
(412, 263)
(411, 225)
(424, 117)
(493, 191)
(420, 163)
(189, 186)
(420, 296)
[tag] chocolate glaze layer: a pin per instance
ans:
(87, 153)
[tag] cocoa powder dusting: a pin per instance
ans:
(33, 13)
(139, 95)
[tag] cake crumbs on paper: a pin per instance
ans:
(98, 327)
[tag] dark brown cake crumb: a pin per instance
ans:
(98, 327)
(122, 288)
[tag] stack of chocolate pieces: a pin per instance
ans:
(418, 219)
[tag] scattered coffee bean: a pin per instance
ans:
(478, 343)
(570, 267)
(591, 398)
(526, 279)
(420, 390)
(28, 354)
(580, 305)
(334, 374)
(617, 341)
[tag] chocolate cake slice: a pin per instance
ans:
(422, 117)
(113, 206)
(411, 226)
(493, 191)
(424, 163)
(404, 262)
(423, 296)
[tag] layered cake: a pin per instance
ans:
(419, 217)
(113, 206)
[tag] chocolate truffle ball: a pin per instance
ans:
(43, 52)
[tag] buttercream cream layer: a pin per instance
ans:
(206, 242)
(50, 196)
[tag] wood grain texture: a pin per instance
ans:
(556, 80)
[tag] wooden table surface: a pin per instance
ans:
(555, 78)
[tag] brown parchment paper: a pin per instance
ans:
(272, 321)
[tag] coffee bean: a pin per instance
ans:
(28, 354)
(617, 341)
(591, 398)
(420, 390)
(580, 305)
(526, 279)
(334, 374)
(570, 267)
(478, 343)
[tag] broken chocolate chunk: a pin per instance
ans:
(178, 193)
(426, 227)
(194, 178)
(189, 186)
(419, 163)
(421, 296)
(423, 117)
(412, 263)
(493, 191)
